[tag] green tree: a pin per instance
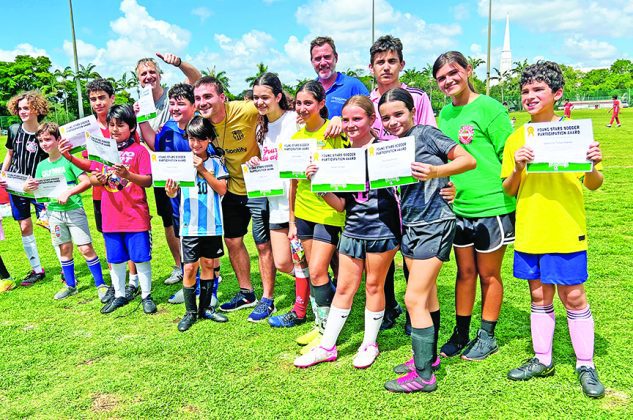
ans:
(261, 69)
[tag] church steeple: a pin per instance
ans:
(506, 54)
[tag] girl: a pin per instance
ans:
(277, 122)
(429, 226)
(369, 242)
(312, 220)
(485, 214)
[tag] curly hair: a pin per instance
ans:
(386, 43)
(35, 99)
(100, 84)
(543, 71)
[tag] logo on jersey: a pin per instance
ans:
(31, 146)
(238, 135)
(466, 133)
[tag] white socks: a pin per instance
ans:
(118, 278)
(373, 320)
(30, 248)
(335, 322)
(144, 271)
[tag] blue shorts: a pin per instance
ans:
(21, 207)
(125, 246)
(560, 269)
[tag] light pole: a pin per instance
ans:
(373, 12)
(80, 101)
(488, 60)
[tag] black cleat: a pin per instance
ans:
(187, 321)
(531, 368)
(390, 317)
(149, 307)
(591, 385)
(114, 305)
(454, 345)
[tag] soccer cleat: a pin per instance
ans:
(214, 300)
(106, 293)
(174, 277)
(306, 338)
(286, 320)
(312, 344)
(131, 292)
(454, 345)
(241, 300)
(315, 356)
(149, 307)
(390, 317)
(187, 321)
(481, 347)
(211, 314)
(411, 382)
(366, 356)
(32, 278)
(531, 368)
(409, 366)
(65, 292)
(6, 285)
(42, 221)
(608, 125)
(263, 310)
(115, 304)
(591, 385)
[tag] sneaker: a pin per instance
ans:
(264, 308)
(591, 385)
(390, 317)
(411, 382)
(65, 292)
(115, 304)
(481, 347)
(42, 221)
(131, 292)
(175, 276)
(315, 356)
(32, 278)
(286, 320)
(531, 368)
(619, 125)
(608, 125)
(177, 298)
(187, 321)
(409, 366)
(241, 300)
(306, 338)
(106, 293)
(6, 285)
(149, 307)
(312, 344)
(454, 345)
(365, 356)
(213, 315)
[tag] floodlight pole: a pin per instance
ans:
(80, 101)
(488, 60)
(373, 12)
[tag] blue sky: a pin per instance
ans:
(236, 35)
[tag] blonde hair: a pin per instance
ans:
(362, 102)
(35, 99)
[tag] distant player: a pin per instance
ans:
(615, 112)
(567, 108)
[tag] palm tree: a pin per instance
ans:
(502, 78)
(411, 77)
(519, 66)
(261, 69)
(87, 72)
(221, 76)
(475, 62)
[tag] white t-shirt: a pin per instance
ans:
(281, 129)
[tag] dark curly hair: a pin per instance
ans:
(543, 71)
(100, 84)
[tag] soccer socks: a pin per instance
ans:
(134, 279)
(489, 327)
(94, 265)
(30, 248)
(302, 291)
(144, 271)
(68, 268)
(335, 322)
(323, 295)
(435, 316)
(372, 326)
(189, 293)
(422, 342)
(582, 335)
(117, 273)
(206, 292)
(390, 293)
(4, 273)
(542, 322)
(463, 326)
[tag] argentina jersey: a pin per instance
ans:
(200, 206)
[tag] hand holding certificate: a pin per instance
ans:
(389, 163)
(15, 183)
(177, 166)
(294, 157)
(339, 170)
(263, 180)
(146, 104)
(101, 149)
(50, 188)
(75, 132)
(559, 146)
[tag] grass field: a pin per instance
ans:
(65, 359)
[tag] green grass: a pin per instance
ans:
(65, 359)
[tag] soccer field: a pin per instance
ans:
(65, 359)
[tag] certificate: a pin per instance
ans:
(389, 163)
(101, 149)
(559, 146)
(294, 157)
(15, 183)
(177, 166)
(263, 180)
(75, 131)
(340, 170)
(146, 103)
(50, 188)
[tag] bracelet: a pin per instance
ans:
(179, 62)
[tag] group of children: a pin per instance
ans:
(494, 202)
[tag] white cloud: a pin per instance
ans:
(461, 11)
(22, 49)
(202, 12)
(590, 49)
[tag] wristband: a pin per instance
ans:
(179, 62)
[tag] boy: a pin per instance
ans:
(201, 216)
(567, 108)
(23, 155)
(67, 218)
(551, 235)
(615, 112)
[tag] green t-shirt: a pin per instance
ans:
(61, 166)
(481, 127)
(308, 205)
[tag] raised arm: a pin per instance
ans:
(191, 73)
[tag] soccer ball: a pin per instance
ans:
(115, 183)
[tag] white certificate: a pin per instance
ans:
(101, 149)
(50, 188)
(559, 146)
(15, 183)
(75, 131)
(177, 166)
(263, 180)
(146, 103)
(340, 170)
(294, 157)
(389, 163)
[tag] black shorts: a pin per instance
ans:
(163, 206)
(192, 248)
(486, 234)
(21, 207)
(96, 204)
(422, 242)
(238, 210)
(278, 226)
(317, 231)
(359, 248)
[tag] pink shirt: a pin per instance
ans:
(126, 210)
(568, 107)
(423, 111)
(616, 107)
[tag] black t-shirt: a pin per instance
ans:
(26, 151)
